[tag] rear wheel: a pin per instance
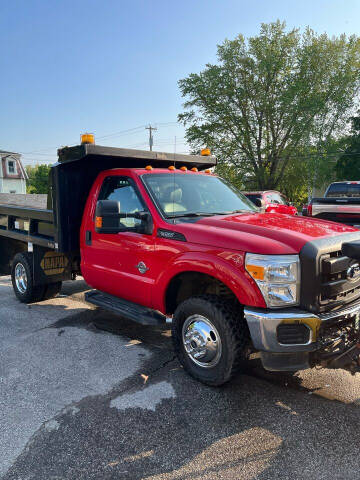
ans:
(22, 279)
(210, 338)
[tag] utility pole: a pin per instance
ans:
(151, 138)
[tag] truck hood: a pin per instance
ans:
(265, 233)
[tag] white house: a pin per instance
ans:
(12, 173)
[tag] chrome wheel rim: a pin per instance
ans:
(201, 341)
(20, 278)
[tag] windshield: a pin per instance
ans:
(181, 195)
(343, 190)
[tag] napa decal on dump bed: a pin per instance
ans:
(54, 263)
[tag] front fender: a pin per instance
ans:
(227, 267)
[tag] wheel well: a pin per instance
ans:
(190, 284)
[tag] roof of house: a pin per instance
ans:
(20, 170)
(9, 153)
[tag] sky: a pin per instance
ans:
(111, 67)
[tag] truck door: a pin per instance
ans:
(120, 264)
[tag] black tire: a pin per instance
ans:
(29, 293)
(51, 290)
(230, 325)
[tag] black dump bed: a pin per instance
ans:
(27, 225)
(71, 179)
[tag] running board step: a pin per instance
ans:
(129, 310)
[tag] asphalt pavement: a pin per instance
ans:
(87, 395)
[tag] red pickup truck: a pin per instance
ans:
(159, 240)
(271, 201)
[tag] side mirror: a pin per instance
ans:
(259, 202)
(108, 219)
(107, 216)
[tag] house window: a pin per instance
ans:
(11, 167)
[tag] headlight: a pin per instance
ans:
(277, 276)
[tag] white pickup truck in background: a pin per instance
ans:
(341, 203)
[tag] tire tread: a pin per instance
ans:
(236, 330)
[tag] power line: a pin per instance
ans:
(114, 134)
(122, 132)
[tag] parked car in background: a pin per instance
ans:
(341, 203)
(271, 201)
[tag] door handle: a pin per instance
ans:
(88, 237)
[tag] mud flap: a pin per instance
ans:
(51, 266)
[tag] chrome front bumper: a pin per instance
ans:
(277, 356)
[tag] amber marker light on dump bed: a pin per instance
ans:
(205, 152)
(87, 138)
(257, 272)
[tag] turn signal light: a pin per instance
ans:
(98, 222)
(257, 272)
(87, 138)
(205, 152)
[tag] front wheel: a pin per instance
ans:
(210, 338)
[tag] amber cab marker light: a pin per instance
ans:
(87, 138)
(183, 169)
(194, 169)
(171, 167)
(148, 167)
(205, 152)
(98, 222)
(207, 170)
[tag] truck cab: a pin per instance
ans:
(130, 261)
(161, 238)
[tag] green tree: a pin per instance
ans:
(269, 97)
(38, 178)
(348, 165)
(311, 169)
